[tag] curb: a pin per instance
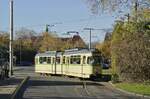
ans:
(127, 92)
(18, 93)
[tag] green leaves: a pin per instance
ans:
(147, 26)
(130, 50)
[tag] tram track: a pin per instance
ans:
(81, 88)
(60, 87)
(85, 88)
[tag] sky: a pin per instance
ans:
(66, 15)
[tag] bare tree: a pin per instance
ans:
(25, 33)
(99, 6)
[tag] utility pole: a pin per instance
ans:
(128, 15)
(47, 27)
(20, 41)
(90, 29)
(11, 40)
(136, 9)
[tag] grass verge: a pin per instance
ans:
(142, 89)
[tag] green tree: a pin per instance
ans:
(130, 49)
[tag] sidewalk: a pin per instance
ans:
(8, 86)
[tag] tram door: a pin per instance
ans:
(53, 65)
(67, 65)
(63, 64)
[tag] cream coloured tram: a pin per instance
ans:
(82, 63)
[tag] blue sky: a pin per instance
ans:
(72, 15)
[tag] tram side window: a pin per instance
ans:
(71, 60)
(84, 59)
(75, 59)
(68, 60)
(49, 60)
(53, 61)
(42, 60)
(95, 60)
(90, 60)
(58, 60)
(64, 59)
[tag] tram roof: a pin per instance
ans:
(78, 51)
(49, 53)
(66, 52)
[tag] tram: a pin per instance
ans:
(83, 63)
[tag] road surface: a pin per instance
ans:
(60, 87)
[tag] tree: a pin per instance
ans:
(4, 43)
(105, 48)
(49, 42)
(97, 6)
(130, 49)
(4, 39)
(24, 45)
(25, 33)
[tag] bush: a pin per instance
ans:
(131, 51)
(115, 78)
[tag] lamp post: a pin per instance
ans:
(20, 47)
(90, 29)
(11, 40)
(47, 27)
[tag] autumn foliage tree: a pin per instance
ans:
(105, 47)
(131, 49)
(24, 45)
(49, 42)
(4, 43)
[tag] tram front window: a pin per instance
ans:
(94, 60)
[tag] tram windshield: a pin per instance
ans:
(94, 60)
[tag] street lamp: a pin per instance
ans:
(11, 40)
(90, 29)
(47, 27)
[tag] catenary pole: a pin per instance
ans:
(11, 40)
(90, 29)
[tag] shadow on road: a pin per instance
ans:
(64, 98)
(59, 83)
(10, 81)
(7, 85)
(105, 78)
(5, 96)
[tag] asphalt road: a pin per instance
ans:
(58, 87)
